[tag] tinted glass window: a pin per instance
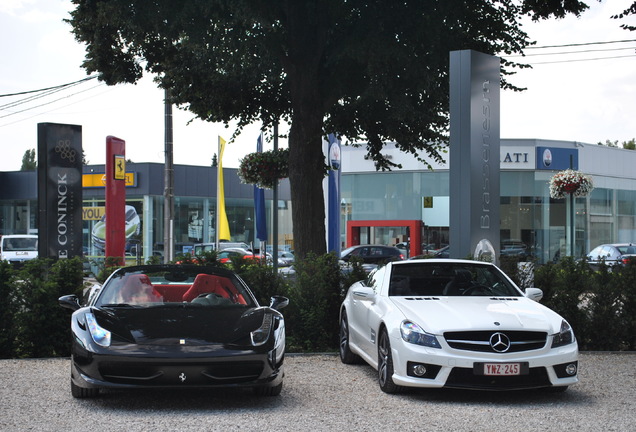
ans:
(449, 279)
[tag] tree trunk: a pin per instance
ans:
(307, 24)
(306, 173)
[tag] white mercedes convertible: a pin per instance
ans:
(455, 323)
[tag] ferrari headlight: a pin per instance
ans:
(564, 337)
(412, 333)
(261, 334)
(100, 335)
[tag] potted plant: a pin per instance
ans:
(570, 181)
(264, 169)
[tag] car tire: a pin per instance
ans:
(268, 391)
(346, 356)
(385, 364)
(82, 392)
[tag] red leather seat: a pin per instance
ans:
(205, 284)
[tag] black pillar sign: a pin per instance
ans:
(59, 190)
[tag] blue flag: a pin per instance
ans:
(259, 202)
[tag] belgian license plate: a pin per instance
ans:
(502, 369)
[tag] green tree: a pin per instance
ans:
(627, 12)
(629, 145)
(28, 161)
(372, 71)
(609, 143)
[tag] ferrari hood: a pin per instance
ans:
(167, 326)
(441, 314)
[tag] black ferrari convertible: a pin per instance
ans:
(154, 326)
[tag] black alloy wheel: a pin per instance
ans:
(385, 364)
(346, 356)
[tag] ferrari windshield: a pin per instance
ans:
(160, 285)
(449, 279)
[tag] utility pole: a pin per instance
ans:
(168, 192)
(275, 210)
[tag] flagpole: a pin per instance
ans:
(275, 210)
(218, 194)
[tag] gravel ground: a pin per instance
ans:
(320, 394)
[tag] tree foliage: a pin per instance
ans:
(629, 145)
(624, 14)
(28, 161)
(372, 71)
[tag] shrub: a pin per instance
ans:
(7, 327)
(42, 326)
(263, 282)
(315, 296)
(565, 285)
(626, 286)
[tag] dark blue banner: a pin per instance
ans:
(259, 202)
(333, 220)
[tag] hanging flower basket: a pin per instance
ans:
(568, 182)
(264, 169)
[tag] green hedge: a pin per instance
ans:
(32, 323)
(600, 305)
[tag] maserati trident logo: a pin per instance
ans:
(182, 377)
(500, 342)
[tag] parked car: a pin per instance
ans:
(455, 323)
(285, 258)
(427, 249)
(175, 326)
(442, 252)
(18, 248)
(372, 254)
(226, 254)
(612, 254)
(199, 248)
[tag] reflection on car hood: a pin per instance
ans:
(169, 325)
(440, 314)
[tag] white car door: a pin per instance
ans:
(364, 312)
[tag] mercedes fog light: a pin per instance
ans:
(570, 369)
(419, 370)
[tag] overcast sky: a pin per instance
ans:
(587, 97)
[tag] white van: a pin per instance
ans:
(199, 248)
(17, 248)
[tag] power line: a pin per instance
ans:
(50, 102)
(50, 88)
(47, 112)
(581, 60)
(575, 52)
(581, 44)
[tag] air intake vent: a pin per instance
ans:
(422, 298)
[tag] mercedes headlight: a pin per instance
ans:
(564, 337)
(100, 335)
(412, 333)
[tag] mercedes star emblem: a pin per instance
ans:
(500, 342)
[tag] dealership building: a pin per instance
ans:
(378, 202)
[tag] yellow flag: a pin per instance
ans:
(223, 227)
